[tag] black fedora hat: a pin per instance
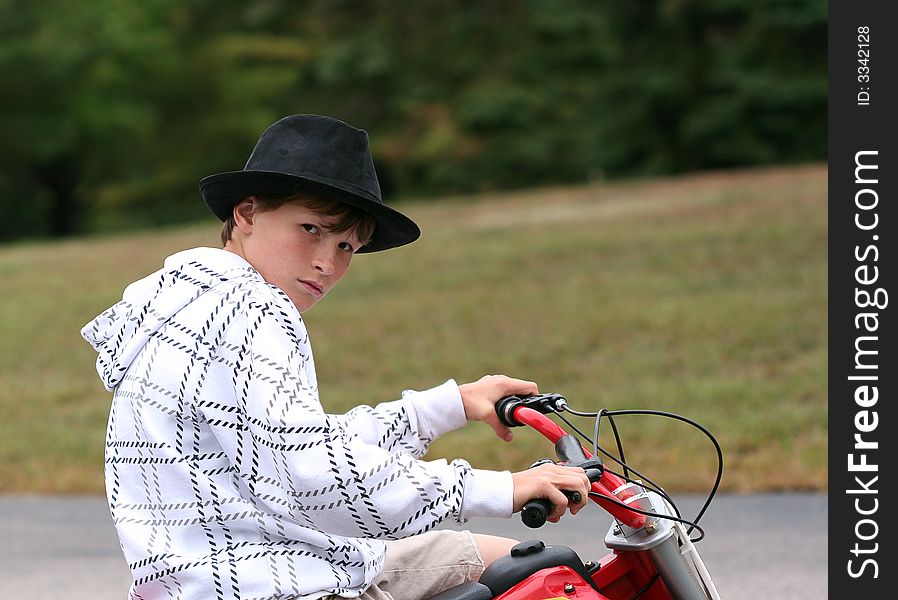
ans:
(320, 156)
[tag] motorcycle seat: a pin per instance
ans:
(526, 559)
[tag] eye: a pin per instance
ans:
(310, 228)
(347, 247)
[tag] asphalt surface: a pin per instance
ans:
(759, 546)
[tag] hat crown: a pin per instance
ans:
(319, 156)
(318, 147)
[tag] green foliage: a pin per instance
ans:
(119, 108)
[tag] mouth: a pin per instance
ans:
(312, 287)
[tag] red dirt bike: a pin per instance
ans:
(652, 556)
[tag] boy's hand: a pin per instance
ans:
(547, 481)
(479, 399)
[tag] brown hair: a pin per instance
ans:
(350, 218)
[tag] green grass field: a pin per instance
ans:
(704, 295)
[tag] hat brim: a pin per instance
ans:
(223, 190)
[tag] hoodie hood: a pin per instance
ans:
(121, 331)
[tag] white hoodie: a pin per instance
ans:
(226, 478)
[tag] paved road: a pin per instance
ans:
(768, 546)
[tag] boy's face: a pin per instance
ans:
(293, 248)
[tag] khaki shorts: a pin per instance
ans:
(421, 566)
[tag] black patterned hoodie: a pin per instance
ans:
(226, 478)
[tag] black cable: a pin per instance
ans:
(675, 416)
(617, 440)
(646, 481)
(620, 446)
(622, 462)
(646, 587)
(651, 486)
(701, 428)
(649, 513)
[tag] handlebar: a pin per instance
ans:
(515, 411)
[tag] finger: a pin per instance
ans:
(498, 426)
(576, 507)
(582, 498)
(502, 431)
(559, 504)
(573, 479)
(510, 385)
(579, 474)
(525, 387)
(558, 511)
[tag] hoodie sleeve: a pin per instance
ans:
(410, 424)
(348, 473)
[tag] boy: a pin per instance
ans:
(225, 477)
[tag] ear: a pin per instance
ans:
(244, 214)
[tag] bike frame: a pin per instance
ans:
(651, 558)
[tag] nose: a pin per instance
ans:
(323, 262)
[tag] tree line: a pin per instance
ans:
(113, 110)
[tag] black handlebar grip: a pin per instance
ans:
(535, 512)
